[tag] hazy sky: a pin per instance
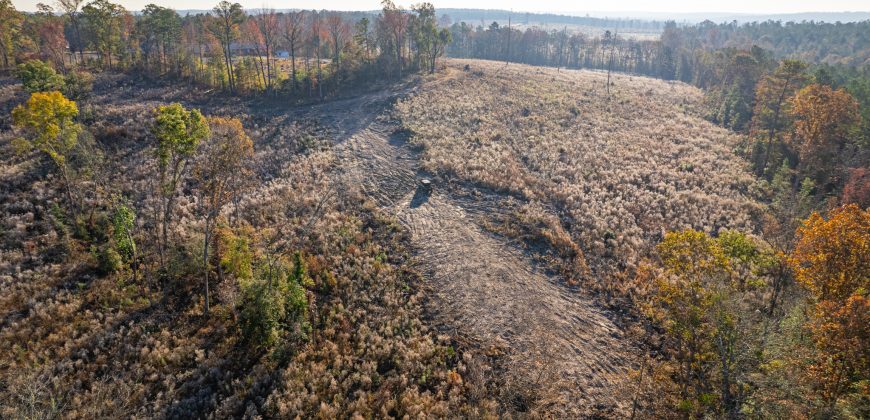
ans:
(681, 6)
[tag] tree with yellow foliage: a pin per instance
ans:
(831, 260)
(47, 121)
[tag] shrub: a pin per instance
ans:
(108, 259)
(37, 76)
(78, 85)
(260, 314)
(274, 305)
(123, 222)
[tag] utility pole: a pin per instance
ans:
(507, 58)
(610, 62)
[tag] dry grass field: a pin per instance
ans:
(607, 174)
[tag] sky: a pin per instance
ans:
(558, 6)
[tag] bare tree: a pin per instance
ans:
(339, 35)
(267, 23)
(291, 31)
(315, 41)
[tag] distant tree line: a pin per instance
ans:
(527, 18)
(561, 48)
(311, 53)
(813, 42)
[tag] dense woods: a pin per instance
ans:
(179, 237)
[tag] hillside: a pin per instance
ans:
(609, 173)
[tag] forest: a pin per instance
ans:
(312, 213)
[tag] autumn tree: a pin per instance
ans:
(50, 36)
(292, 25)
(250, 37)
(825, 121)
(48, 123)
(831, 260)
(706, 299)
(771, 95)
(178, 132)
(225, 27)
(857, 188)
(10, 25)
(224, 162)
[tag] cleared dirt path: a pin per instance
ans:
(482, 287)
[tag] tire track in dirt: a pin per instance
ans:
(486, 289)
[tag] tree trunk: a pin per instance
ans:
(79, 37)
(399, 54)
(74, 205)
(205, 262)
(227, 59)
(293, 65)
(319, 75)
(772, 130)
(268, 69)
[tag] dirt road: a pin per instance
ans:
(481, 286)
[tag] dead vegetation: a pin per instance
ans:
(597, 179)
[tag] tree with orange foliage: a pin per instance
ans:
(50, 36)
(824, 122)
(831, 260)
(218, 172)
